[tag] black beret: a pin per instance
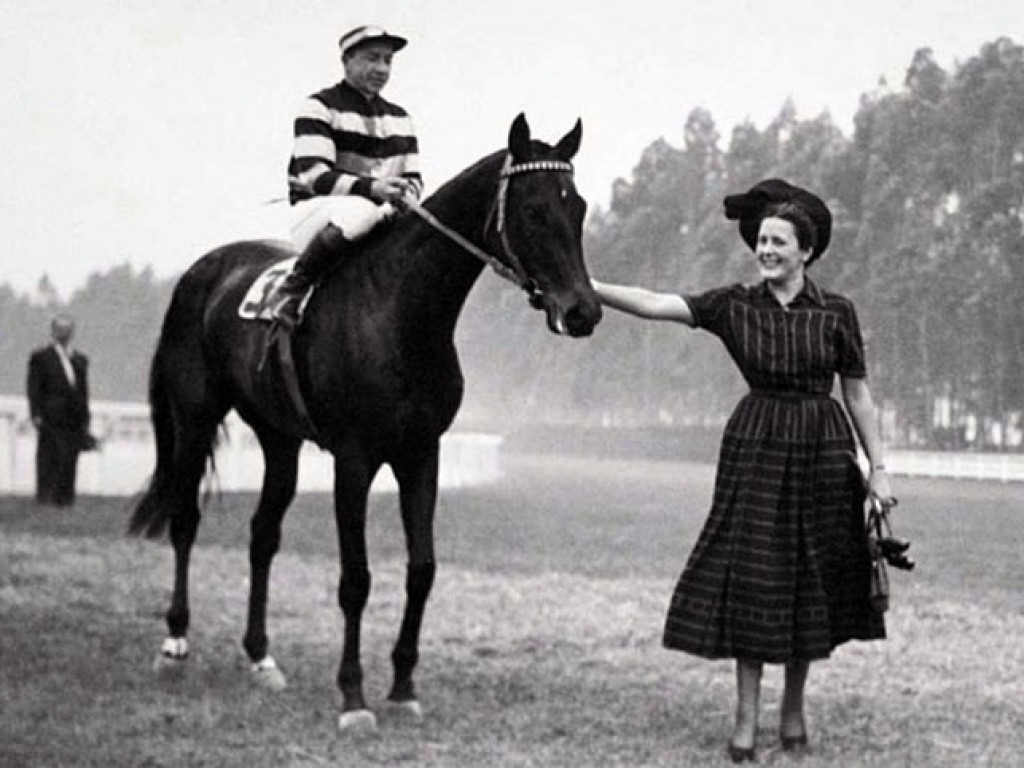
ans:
(750, 208)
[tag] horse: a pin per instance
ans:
(377, 376)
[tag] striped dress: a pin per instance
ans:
(344, 140)
(780, 571)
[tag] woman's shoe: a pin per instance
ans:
(742, 754)
(797, 746)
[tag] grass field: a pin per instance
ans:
(541, 645)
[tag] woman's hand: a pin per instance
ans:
(879, 487)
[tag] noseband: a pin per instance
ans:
(511, 268)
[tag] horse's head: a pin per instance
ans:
(540, 224)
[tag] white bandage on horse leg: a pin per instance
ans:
(265, 664)
(175, 647)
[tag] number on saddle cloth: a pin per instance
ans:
(256, 305)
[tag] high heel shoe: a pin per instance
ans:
(741, 754)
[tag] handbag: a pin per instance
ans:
(884, 549)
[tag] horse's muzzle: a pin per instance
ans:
(576, 319)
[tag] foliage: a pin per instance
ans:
(929, 242)
(117, 318)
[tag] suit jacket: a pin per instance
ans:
(51, 396)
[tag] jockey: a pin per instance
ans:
(355, 155)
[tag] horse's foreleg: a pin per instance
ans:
(279, 480)
(353, 475)
(417, 478)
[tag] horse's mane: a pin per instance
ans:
(477, 169)
(456, 182)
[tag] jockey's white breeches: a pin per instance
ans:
(355, 216)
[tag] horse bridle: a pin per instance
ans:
(511, 268)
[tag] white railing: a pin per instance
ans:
(127, 456)
(1005, 467)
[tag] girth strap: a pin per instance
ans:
(282, 340)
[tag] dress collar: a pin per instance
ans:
(810, 292)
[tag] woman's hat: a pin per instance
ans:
(751, 206)
(370, 34)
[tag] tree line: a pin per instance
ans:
(928, 203)
(117, 320)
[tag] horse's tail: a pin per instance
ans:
(154, 509)
(180, 341)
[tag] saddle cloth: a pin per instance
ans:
(255, 305)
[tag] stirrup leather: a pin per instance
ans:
(286, 309)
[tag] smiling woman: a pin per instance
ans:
(780, 571)
(785, 243)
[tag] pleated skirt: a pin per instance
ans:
(780, 571)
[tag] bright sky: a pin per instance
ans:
(150, 132)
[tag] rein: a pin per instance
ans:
(514, 271)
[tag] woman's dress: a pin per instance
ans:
(780, 571)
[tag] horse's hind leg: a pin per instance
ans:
(281, 458)
(417, 479)
(196, 433)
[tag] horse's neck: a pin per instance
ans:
(439, 272)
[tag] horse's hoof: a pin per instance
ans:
(268, 675)
(358, 721)
(170, 662)
(409, 711)
(174, 647)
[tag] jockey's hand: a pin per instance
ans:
(409, 197)
(392, 189)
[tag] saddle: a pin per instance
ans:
(256, 303)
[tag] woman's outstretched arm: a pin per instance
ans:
(641, 302)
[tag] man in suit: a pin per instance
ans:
(58, 399)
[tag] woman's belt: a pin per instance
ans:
(789, 395)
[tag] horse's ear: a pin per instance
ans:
(519, 139)
(569, 144)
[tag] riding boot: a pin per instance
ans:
(322, 251)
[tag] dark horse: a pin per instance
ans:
(377, 368)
